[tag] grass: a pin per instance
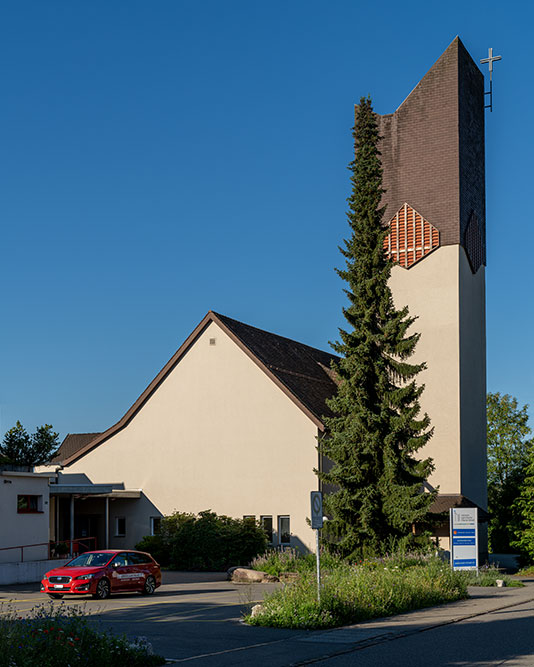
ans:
(354, 592)
(488, 575)
(58, 635)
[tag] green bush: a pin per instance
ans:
(354, 592)
(55, 636)
(206, 542)
(156, 547)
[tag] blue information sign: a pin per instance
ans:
(464, 538)
(464, 541)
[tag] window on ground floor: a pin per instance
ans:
(28, 504)
(267, 525)
(155, 525)
(120, 526)
(284, 531)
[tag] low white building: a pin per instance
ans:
(25, 506)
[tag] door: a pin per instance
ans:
(123, 574)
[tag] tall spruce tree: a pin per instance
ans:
(372, 439)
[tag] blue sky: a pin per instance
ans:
(160, 159)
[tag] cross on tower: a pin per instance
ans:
(490, 60)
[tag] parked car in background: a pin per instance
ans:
(100, 573)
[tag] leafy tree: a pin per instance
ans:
(21, 448)
(524, 506)
(508, 447)
(376, 430)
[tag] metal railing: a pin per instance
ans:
(59, 549)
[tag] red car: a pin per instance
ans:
(100, 573)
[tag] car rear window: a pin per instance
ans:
(138, 558)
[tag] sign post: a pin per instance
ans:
(464, 538)
(317, 524)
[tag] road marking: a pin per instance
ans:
(230, 650)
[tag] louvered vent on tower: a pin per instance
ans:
(410, 237)
(473, 243)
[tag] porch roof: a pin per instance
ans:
(93, 490)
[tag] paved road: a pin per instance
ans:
(195, 618)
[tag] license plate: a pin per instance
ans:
(58, 585)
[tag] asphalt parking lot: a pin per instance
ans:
(191, 616)
(195, 618)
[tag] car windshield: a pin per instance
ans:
(90, 560)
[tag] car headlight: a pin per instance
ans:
(85, 576)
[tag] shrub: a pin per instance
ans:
(156, 547)
(205, 542)
(55, 636)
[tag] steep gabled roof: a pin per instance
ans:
(302, 372)
(71, 444)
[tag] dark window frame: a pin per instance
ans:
(282, 535)
(117, 531)
(269, 532)
(29, 509)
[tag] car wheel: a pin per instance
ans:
(102, 590)
(150, 586)
(56, 596)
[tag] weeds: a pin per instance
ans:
(58, 635)
(354, 592)
(487, 576)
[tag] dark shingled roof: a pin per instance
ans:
(444, 502)
(72, 443)
(304, 370)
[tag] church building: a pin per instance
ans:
(231, 422)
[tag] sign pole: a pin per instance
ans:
(317, 524)
(318, 567)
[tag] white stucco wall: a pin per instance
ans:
(19, 529)
(217, 434)
(449, 302)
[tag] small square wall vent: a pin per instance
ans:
(213, 341)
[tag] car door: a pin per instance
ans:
(122, 573)
(140, 567)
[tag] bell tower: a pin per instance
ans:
(433, 158)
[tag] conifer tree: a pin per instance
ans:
(21, 448)
(372, 439)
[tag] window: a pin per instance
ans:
(155, 525)
(120, 526)
(137, 559)
(249, 517)
(284, 532)
(120, 561)
(27, 504)
(267, 525)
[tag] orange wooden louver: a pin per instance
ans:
(410, 238)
